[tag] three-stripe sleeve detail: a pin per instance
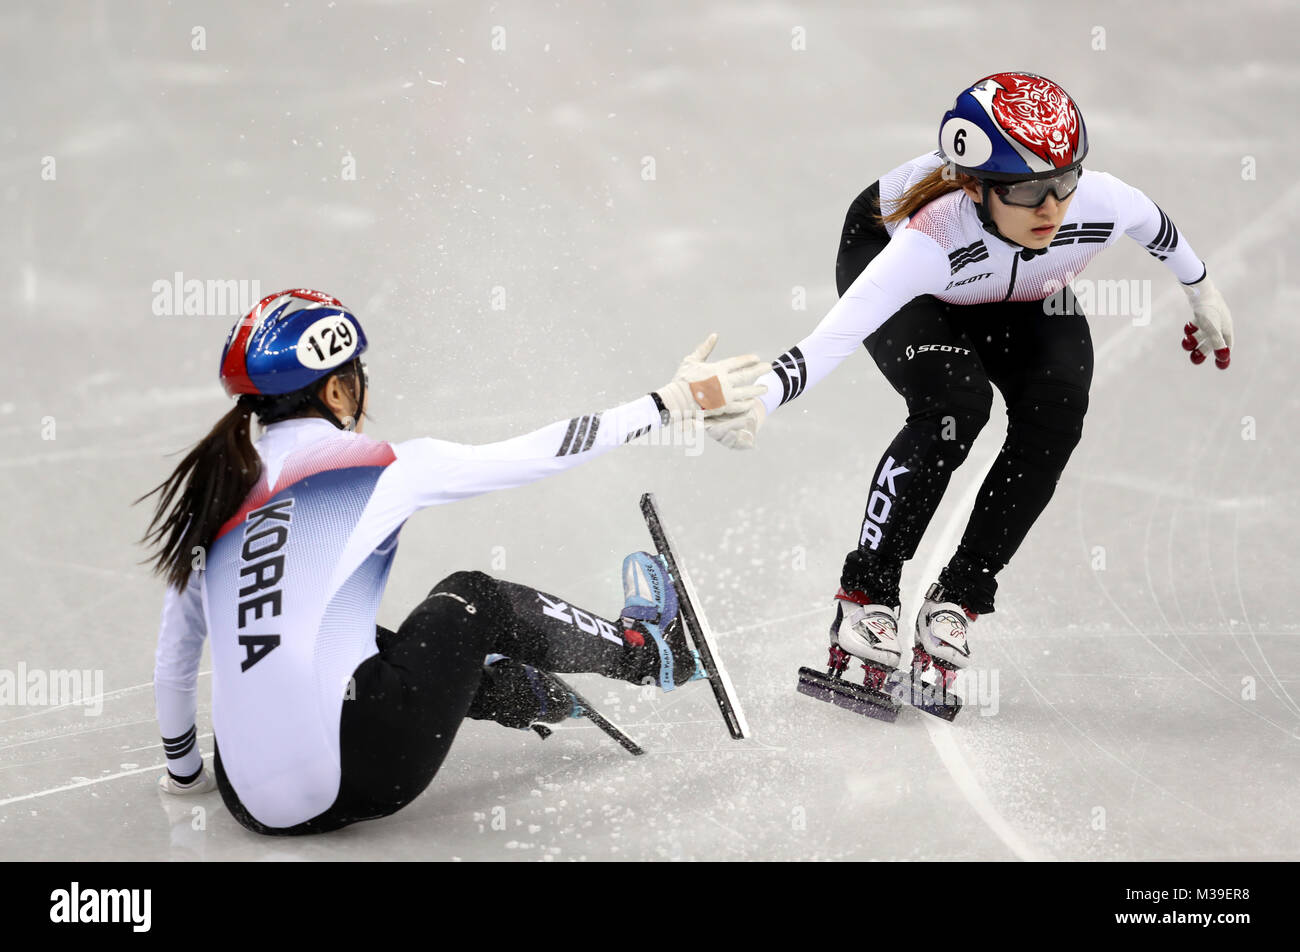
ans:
(793, 373)
(580, 435)
(1166, 240)
(178, 747)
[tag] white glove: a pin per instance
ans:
(1211, 326)
(736, 431)
(203, 783)
(712, 389)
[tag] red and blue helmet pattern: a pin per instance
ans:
(290, 339)
(1013, 126)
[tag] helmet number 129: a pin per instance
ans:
(327, 343)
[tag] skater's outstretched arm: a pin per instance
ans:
(912, 264)
(440, 471)
(1143, 220)
(1146, 223)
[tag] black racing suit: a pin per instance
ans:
(408, 701)
(1040, 362)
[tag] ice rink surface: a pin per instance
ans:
(1144, 651)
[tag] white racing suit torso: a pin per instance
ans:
(293, 582)
(943, 250)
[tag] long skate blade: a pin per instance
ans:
(696, 625)
(857, 698)
(593, 715)
(922, 695)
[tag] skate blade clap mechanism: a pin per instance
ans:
(919, 684)
(690, 611)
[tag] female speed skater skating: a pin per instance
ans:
(953, 270)
(321, 719)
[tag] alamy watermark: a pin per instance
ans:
(688, 433)
(973, 688)
(1101, 298)
(52, 688)
(177, 296)
(79, 905)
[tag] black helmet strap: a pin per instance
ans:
(316, 401)
(325, 411)
(272, 408)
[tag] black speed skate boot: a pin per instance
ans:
(521, 696)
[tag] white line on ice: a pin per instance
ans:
(1113, 356)
(52, 738)
(88, 783)
(107, 695)
(941, 733)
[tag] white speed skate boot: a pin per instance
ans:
(866, 631)
(942, 636)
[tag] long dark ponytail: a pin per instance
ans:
(216, 476)
(201, 494)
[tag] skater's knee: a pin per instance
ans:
(473, 590)
(465, 583)
(954, 419)
(1047, 421)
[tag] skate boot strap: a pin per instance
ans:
(699, 674)
(857, 597)
(661, 643)
(936, 594)
(648, 593)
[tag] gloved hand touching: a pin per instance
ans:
(712, 388)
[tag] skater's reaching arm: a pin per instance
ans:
(440, 471)
(1143, 220)
(175, 680)
(911, 264)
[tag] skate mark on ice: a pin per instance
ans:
(1236, 570)
(106, 696)
(54, 736)
(1119, 350)
(943, 734)
(77, 785)
(117, 751)
(1136, 771)
(1174, 662)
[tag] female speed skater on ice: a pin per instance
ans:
(321, 719)
(953, 270)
